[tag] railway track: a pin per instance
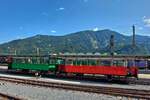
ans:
(132, 93)
(90, 78)
(140, 81)
(8, 97)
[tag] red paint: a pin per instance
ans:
(133, 71)
(103, 70)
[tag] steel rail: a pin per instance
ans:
(140, 81)
(9, 97)
(133, 93)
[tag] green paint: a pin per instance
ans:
(39, 67)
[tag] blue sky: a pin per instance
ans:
(25, 18)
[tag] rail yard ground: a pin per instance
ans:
(147, 76)
(80, 82)
(31, 92)
(42, 93)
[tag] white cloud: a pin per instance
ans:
(61, 8)
(53, 31)
(146, 21)
(144, 17)
(95, 29)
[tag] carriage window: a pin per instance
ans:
(31, 60)
(52, 61)
(60, 61)
(119, 63)
(92, 62)
(70, 62)
(131, 63)
(105, 63)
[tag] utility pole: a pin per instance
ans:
(15, 52)
(133, 43)
(133, 38)
(112, 48)
(37, 51)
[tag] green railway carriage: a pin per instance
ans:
(35, 63)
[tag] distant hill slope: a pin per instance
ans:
(83, 41)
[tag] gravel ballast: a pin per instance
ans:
(80, 82)
(41, 93)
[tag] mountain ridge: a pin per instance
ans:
(82, 41)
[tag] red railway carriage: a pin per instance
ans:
(104, 70)
(101, 69)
